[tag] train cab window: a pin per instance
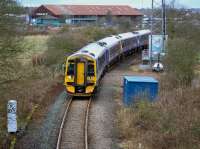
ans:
(90, 70)
(70, 69)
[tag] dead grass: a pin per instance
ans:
(28, 94)
(33, 45)
(173, 122)
(29, 85)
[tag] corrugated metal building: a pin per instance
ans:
(57, 15)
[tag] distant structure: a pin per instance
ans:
(57, 15)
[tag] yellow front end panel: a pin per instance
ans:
(80, 73)
(71, 89)
(80, 76)
(69, 79)
(91, 79)
(89, 89)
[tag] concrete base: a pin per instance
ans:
(145, 67)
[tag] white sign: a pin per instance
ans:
(12, 116)
(157, 44)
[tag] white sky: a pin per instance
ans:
(134, 3)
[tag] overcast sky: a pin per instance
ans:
(134, 3)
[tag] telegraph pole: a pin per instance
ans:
(158, 23)
(163, 25)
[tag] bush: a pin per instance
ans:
(171, 123)
(180, 62)
(61, 44)
(70, 40)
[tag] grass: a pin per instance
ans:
(31, 88)
(171, 123)
(33, 45)
(34, 81)
(199, 58)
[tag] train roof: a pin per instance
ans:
(109, 41)
(96, 49)
(126, 35)
(142, 32)
(133, 34)
(92, 50)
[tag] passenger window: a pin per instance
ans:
(90, 71)
(70, 69)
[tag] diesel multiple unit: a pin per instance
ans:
(85, 68)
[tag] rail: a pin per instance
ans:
(63, 123)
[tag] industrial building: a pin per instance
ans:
(57, 15)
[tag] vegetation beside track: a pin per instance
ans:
(173, 121)
(33, 63)
(68, 40)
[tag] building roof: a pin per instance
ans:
(101, 10)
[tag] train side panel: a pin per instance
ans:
(114, 51)
(101, 65)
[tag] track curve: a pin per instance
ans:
(73, 133)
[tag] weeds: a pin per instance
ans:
(23, 82)
(171, 123)
(180, 61)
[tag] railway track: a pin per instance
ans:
(73, 133)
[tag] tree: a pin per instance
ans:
(10, 23)
(183, 47)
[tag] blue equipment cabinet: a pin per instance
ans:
(136, 86)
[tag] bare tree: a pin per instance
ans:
(9, 40)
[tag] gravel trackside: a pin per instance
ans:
(103, 133)
(102, 130)
(45, 135)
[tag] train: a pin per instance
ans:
(85, 68)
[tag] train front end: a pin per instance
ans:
(80, 75)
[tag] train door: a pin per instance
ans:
(80, 73)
